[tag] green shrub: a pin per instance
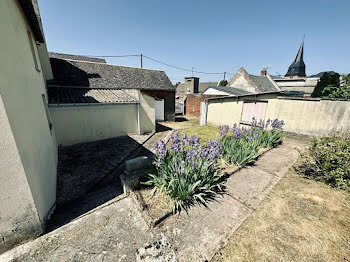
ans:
(328, 160)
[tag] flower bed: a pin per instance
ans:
(242, 146)
(188, 170)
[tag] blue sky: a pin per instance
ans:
(211, 36)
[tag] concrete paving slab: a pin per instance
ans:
(250, 185)
(196, 236)
(278, 160)
(113, 233)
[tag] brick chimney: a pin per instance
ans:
(263, 72)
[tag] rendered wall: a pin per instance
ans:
(147, 114)
(228, 110)
(301, 116)
(224, 112)
(17, 208)
(21, 90)
(311, 117)
(77, 124)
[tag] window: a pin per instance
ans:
(36, 63)
(48, 116)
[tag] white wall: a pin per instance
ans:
(311, 117)
(147, 113)
(77, 124)
(21, 90)
(228, 111)
(301, 116)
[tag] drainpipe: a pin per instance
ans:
(138, 119)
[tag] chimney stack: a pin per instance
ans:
(191, 85)
(263, 72)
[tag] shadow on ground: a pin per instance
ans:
(88, 175)
(161, 128)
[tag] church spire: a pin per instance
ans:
(297, 68)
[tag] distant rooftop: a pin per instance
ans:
(263, 83)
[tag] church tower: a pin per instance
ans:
(297, 68)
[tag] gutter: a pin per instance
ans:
(92, 104)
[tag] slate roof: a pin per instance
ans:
(263, 83)
(297, 68)
(230, 90)
(76, 57)
(60, 95)
(102, 75)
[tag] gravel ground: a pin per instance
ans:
(83, 165)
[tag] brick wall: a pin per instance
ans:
(193, 103)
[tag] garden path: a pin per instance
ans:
(198, 235)
(116, 231)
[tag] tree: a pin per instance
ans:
(223, 83)
(341, 91)
(326, 80)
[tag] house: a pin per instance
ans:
(189, 95)
(192, 85)
(91, 81)
(295, 80)
(252, 83)
(28, 149)
(46, 101)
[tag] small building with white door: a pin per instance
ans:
(73, 71)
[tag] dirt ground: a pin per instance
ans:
(300, 220)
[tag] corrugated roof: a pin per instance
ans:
(62, 95)
(263, 83)
(101, 75)
(230, 90)
(76, 57)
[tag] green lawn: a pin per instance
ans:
(205, 132)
